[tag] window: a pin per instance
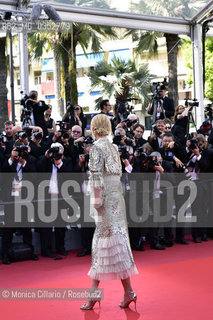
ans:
(18, 79)
(37, 77)
(49, 76)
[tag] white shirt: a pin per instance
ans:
(53, 186)
(16, 185)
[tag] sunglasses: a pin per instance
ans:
(167, 127)
(74, 131)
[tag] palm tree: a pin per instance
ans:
(147, 41)
(3, 80)
(122, 80)
(64, 46)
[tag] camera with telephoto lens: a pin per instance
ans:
(54, 153)
(191, 103)
(129, 122)
(37, 135)
(88, 140)
(64, 127)
(147, 158)
(124, 153)
(194, 144)
(22, 151)
(157, 87)
(187, 173)
(3, 137)
(70, 109)
(117, 139)
(21, 135)
(123, 107)
(156, 131)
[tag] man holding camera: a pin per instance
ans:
(199, 161)
(105, 109)
(138, 131)
(18, 166)
(54, 165)
(164, 108)
(146, 162)
(156, 137)
(36, 109)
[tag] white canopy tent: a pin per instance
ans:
(177, 17)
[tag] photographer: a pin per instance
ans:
(131, 121)
(121, 140)
(146, 161)
(36, 109)
(37, 145)
(88, 230)
(138, 131)
(17, 166)
(105, 107)
(76, 142)
(75, 116)
(199, 161)
(54, 164)
(8, 136)
(162, 106)
(205, 129)
(173, 155)
(155, 140)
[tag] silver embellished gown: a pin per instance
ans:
(111, 253)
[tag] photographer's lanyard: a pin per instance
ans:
(16, 184)
(19, 172)
(127, 184)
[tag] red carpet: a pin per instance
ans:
(175, 284)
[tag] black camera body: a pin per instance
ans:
(191, 103)
(54, 153)
(157, 88)
(71, 109)
(123, 107)
(194, 144)
(156, 131)
(3, 137)
(117, 139)
(22, 151)
(37, 135)
(146, 158)
(124, 153)
(88, 140)
(64, 127)
(21, 135)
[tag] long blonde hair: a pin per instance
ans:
(101, 125)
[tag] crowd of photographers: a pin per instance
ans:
(41, 145)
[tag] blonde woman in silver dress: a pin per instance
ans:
(111, 253)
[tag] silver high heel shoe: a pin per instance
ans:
(131, 297)
(90, 304)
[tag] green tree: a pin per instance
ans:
(64, 45)
(187, 53)
(147, 41)
(122, 80)
(209, 69)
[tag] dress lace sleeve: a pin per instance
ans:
(96, 167)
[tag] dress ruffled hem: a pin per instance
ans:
(95, 275)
